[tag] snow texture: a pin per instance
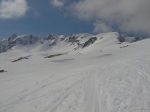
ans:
(103, 77)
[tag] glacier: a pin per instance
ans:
(104, 76)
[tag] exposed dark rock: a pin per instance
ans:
(21, 58)
(26, 40)
(12, 37)
(53, 55)
(73, 39)
(52, 40)
(2, 71)
(51, 37)
(121, 38)
(90, 41)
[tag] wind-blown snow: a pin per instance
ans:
(103, 77)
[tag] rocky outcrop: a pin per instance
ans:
(15, 40)
(90, 41)
(78, 41)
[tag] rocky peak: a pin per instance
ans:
(12, 37)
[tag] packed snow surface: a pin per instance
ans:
(103, 77)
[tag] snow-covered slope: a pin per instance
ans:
(74, 41)
(104, 76)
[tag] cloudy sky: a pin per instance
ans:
(41, 17)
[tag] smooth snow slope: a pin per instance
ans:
(100, 78)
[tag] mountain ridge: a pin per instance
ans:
(81, 40)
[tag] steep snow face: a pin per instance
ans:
(102, 77)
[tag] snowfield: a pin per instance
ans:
(103, 77)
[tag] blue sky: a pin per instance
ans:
(42, 19)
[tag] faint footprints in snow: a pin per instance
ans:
(104, 55)
(62, 60)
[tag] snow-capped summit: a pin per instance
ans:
(25, 40)
(74, 41)
(15, 40)
(12, 37)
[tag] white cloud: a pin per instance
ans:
(13, 8)
(101, 27)
(57, 3)
(129, 15)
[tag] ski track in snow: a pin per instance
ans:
(108, 81)
(90, 92)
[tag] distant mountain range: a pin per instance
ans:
(78, 40)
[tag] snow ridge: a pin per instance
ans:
(75, 40)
